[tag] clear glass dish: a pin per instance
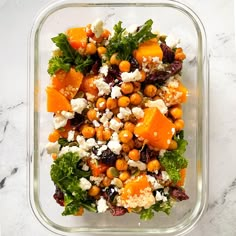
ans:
(168, 16)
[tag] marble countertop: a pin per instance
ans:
(16, 18)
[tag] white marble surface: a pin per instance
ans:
(16, 218)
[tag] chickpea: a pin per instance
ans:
(125, 136)
(124, 175)
(137, 86)
(121, 164)
(92, 115)
(101, 51)
(88, 132)
(135, 99)
(90, 49)
(179, 124)
(111, 103)
(127, 88)
(114, 60)
(173, 145)
(150, 90)
(153, 165)
(125, 147)
(123, 101)
(176, 112)
(106, 181)
(94, 191)
(106, 134)
(134, 154)
(101, 104)
(124, 66)
(129, 126)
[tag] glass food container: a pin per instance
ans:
(169, 17)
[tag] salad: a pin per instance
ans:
(118, 142)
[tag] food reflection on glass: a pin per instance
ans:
(118, 141)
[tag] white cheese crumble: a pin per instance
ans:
(104, 69)
(84, 184)
(131, 76)
(172, 41)
(115, 92)
(106, 117)
(53, 147)
(165, 176)
(59, 121)
(68, 115)
(101, 149)
(97, 27)
(90, 97)
(103, 87)
(138, 112)
(96, 180)
(102, 205)
(159, 103)
(85, 167)
(172, 82)
(124, 113)
(160, 197)
(114, 144)
(162, 152)
(71, 135)
(140, 165)
(154, 182)
(78, 104)
(96, 123)
(115, 125)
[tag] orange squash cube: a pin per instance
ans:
(148, 49)
(155, 128)
(56, 101)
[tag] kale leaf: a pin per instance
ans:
(69, 57)
(174, 161)
(147, 214)
(66, 176)
(124, 44)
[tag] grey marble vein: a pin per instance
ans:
(3, 181)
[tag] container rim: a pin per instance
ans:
(39, 20)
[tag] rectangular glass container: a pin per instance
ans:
(168, 17)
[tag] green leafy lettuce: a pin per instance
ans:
(174, 161)
(66, 175)
(69, 57)
(125, 44)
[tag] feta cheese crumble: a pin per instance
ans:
(140, 165)
(131, 76)
(53, 147)
(102, 205)
(59, 121)
(138, 112)
(84, 184)
(78, 104)
(116, 92)
(124, 113)
(97, 27)
(114, 144)
(115, 125)
(159, 103)
(104, 69)
(103, 87)
(71, 135)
